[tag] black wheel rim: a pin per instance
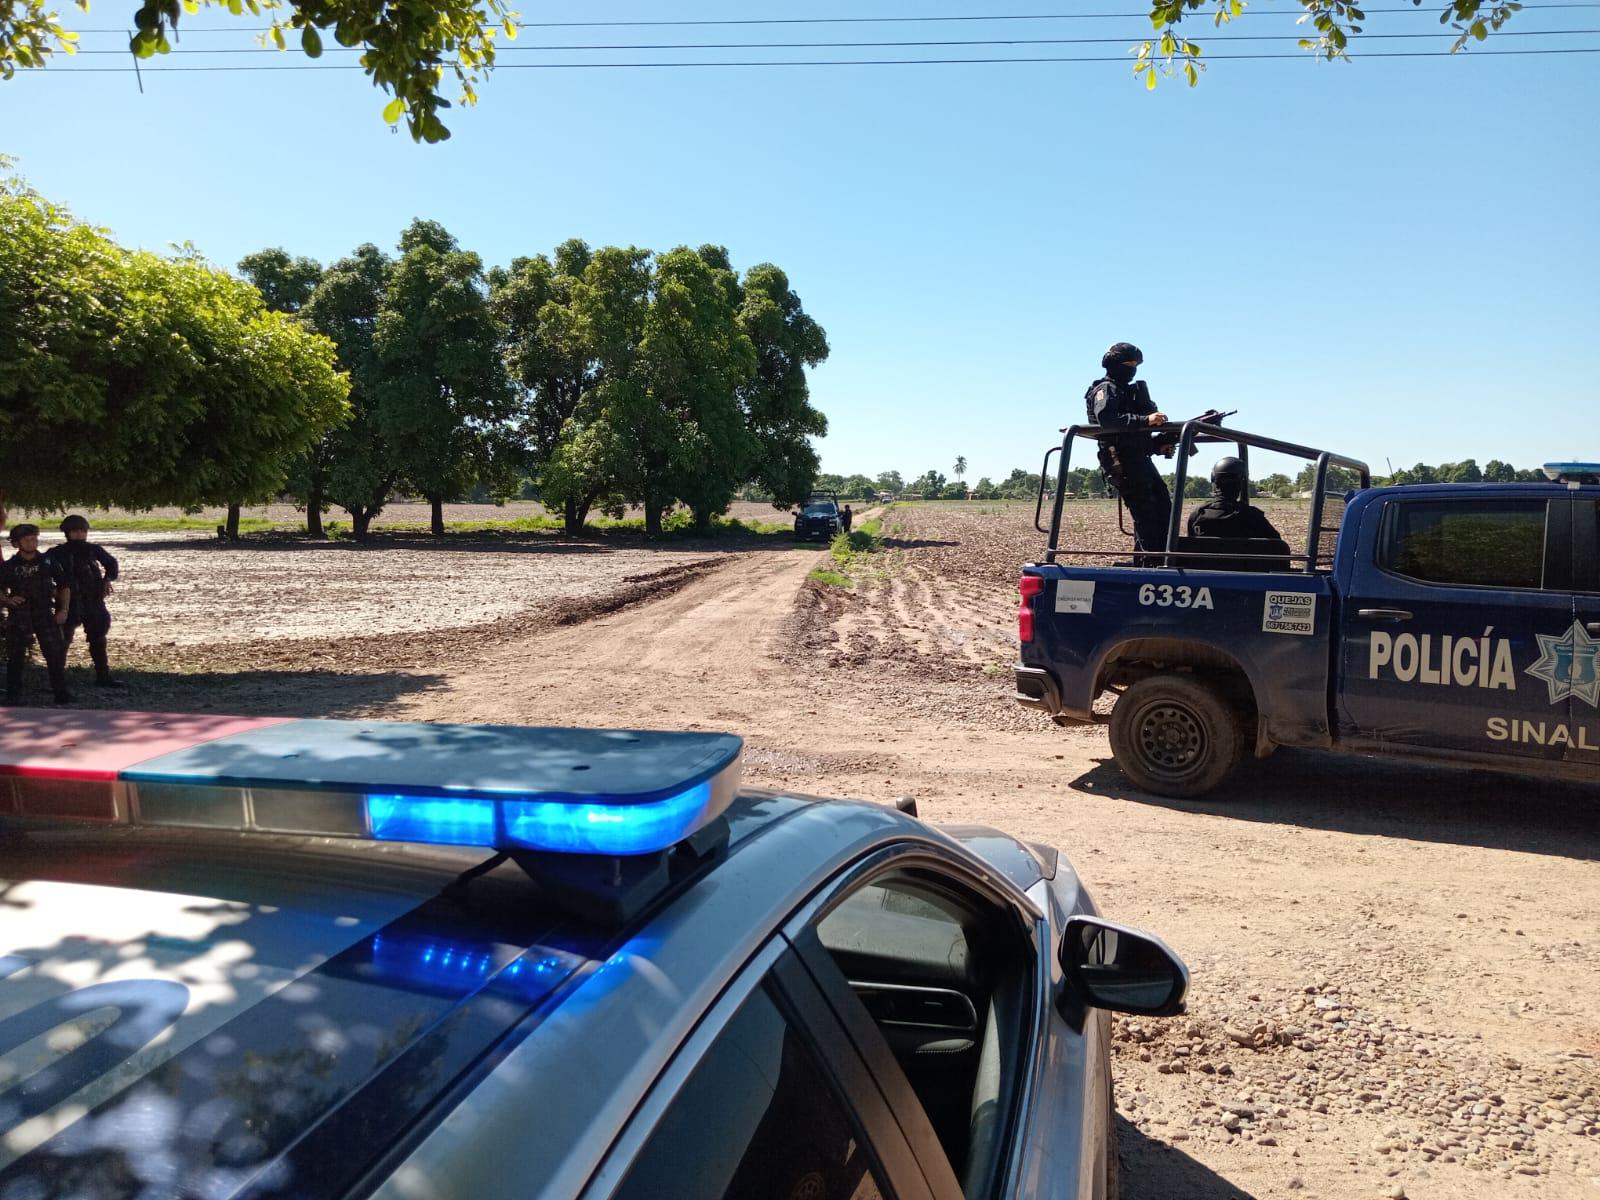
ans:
(1172, 740)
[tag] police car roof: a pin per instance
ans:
(254, 1012)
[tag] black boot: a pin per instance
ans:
(65, 697)
(106, 679)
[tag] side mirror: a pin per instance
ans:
(1122, 969)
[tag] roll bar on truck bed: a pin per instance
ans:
(1192, 433)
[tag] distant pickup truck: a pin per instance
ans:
(1456, 623)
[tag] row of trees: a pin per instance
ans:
(608, 377)
(1081, 481)
(595, 378)
(135, 379)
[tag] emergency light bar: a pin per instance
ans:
(580, 792)
(1572, 472)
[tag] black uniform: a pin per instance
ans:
(88, 568)
(36, 580)
(1126, 459)
(1230, 519)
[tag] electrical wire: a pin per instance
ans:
(1101, 41)
(824, 62)
(888, 20)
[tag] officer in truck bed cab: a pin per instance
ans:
(1115, 401)
(1228, 513)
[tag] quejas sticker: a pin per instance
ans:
(1289, 612)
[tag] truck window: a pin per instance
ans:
(1480, 543)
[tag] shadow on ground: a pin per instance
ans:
(593, 542)
(247, 693)
(1385, 798)
(1153, 1170)
(897, 543)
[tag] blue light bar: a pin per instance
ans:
(432, 819)
(558, 826)
(607, 828)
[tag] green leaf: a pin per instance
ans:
(510, 30)
(393, 110)
(1479, 31)
(1150, 80)
(277, 38)
(311, 41)
(1193, 75)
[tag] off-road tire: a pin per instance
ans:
(1176, 735)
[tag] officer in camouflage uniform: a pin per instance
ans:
(1115, 401)
(90, 572)
(34, 590)
(1228, 514)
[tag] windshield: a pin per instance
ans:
(822, 510)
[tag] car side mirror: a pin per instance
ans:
(1122, 969)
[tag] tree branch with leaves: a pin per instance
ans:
(1333, 24)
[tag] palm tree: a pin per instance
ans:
(961, 466)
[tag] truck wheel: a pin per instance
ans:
(1176, 736)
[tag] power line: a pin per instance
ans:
(828, 62)
(1249, 37)
(879, 20)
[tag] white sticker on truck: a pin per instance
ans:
(1074, 595)
(1289, 612)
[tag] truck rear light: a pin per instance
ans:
(1030, 586)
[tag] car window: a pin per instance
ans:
(1487, 543)
(758, 1119)
(946, 978)
(820, 510)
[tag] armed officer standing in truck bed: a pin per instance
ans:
(1115, 401)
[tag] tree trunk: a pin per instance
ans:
(437, 519)
(361, 520)
(652, 518)
(702, 518)
(233, 521)
(572, 515)
(314, 512)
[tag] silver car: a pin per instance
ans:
(332, 959)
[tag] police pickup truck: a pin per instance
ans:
(1457, 623)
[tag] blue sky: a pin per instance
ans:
(1392, 258)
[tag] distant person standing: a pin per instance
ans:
(90, 571)
(1115, 401)
(845, 517)
(34, 589)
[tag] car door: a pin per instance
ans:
(996, 1093)
(1456, 624)
(767, 1101)
(1585, 697)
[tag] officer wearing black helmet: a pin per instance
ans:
(90, 572)
(1115, 401)
(34, 589)
(1228, 513)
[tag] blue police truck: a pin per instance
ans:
(1458, 623)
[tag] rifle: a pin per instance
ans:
(1166, 441)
